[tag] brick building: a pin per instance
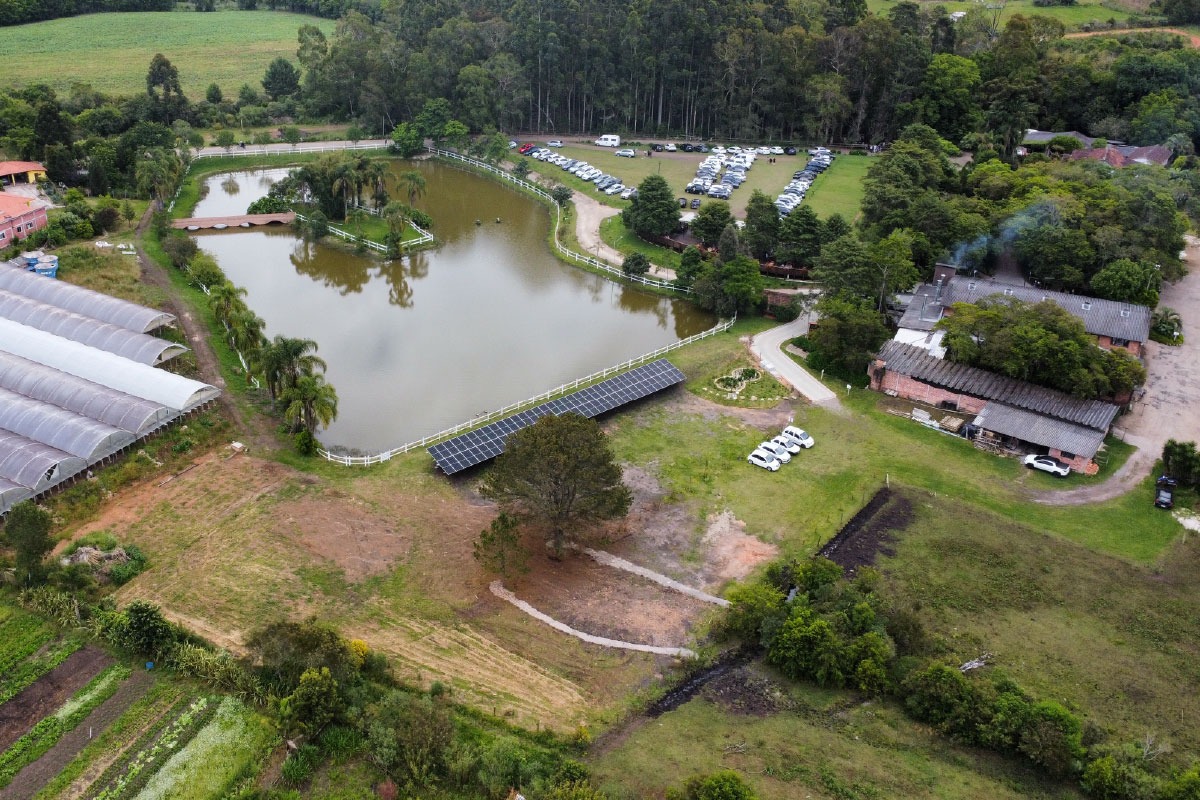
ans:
(1009, 413)
(19, 216)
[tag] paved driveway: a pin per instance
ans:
(768, 347)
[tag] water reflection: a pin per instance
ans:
(421, 343)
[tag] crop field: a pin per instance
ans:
(82, 725)
(1084, 11)
(112, 51)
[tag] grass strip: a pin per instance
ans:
(151, 712)
(23, 635)
(29, 671)
(45, 734)
(148, 760)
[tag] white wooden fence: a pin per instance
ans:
(492, 416)
(424, 238)
(565, 251)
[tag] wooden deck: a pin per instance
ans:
(240, 221)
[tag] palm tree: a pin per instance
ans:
(225, 299)
(283, 361)
(310, 401)
(1166, 322)
(375, 174)
(246, 331)
(414, 183)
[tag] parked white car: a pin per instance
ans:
(777, 450)
(626, 153)
(764, 459)
(554, 143)
(786, 443)
(799, 436)
(1047, 464)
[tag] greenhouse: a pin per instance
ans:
(105, 308)
(140, 347)
(77, 385)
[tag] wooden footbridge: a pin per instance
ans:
(240, 221)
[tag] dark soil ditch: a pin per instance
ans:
(869, 532)
(49, 692)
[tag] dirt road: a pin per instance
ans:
(1166, 409)
(589, 215)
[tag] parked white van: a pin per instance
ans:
(609, 140)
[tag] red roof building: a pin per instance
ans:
(19, 217)
(21, 172)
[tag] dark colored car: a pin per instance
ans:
(683, 202)
(791, 151)
(525, 148)
(658, 148)
(1164, 492)
(701, 148)
(687, 148)
(696, 203)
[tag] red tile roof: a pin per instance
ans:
(15, 167)
(12, 205)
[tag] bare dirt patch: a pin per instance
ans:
(869, 532)
(36, 775)
(49, 692)
(343, 530)
(747, 692)
(605, 602)
(731, 553)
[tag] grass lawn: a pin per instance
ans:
(821, 745)
(839, 189)
(1113, 640)
(616, 235)
(1071, 16)
(112, 52)
(677, 168)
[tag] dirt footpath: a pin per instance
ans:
(589, 215)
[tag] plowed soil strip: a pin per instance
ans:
(30, 780)
(49, 692)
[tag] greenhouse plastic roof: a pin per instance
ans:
(61, 429)
(84, 397)
(34, 465)
(107, 369)
(103, 307)
(140, 347)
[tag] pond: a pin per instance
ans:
(420, 344)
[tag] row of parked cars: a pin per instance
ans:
(793, 194)
(778, 450)
(735, 165)
(703, 148)
(609, 184)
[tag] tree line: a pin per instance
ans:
(19, 12)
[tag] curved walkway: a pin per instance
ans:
(590, 213)
(497, 588)
(616, 562)
(768, 347)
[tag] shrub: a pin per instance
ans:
(1052, 737)
(300, 765)
(723, 785)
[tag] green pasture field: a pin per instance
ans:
(1071, 16)
(112, 52)
(825, 746)
(805, 503)
(839, 189)
(1112, 640)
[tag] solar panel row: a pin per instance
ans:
(475, 447)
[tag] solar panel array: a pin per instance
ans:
(467, 450)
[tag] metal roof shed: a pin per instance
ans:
(59, 428)
(105, 308)
(173, 391)
(1040, 430)
(140, 347)
(101, 403)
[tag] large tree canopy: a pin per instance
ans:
(1040, 343)
(559, 472)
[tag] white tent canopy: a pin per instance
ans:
(103, 307)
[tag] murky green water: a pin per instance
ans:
(418, 345)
